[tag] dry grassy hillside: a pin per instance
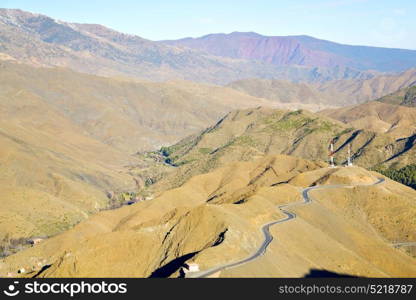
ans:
(246, 134)
(329, 93)
(215, 218)
(405, 97)
(125, 114)
(359, 91)
(397, 121)
(90, 48)
(67, 138)
(283, 91)
(344, 230)
(52, 173)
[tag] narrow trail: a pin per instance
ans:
(306, 199)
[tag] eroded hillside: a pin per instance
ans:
(404, 96)
(125, 114)
(334, 92)
(215, 218)
(52, 173)
(246, 134)
(395, 120)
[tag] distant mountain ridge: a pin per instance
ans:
(334, 92)
(125, 114)
(90, 48)
(42, 41)
(300, 50)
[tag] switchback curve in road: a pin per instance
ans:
(266, 227)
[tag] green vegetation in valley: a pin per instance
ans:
(405, 97)
(405, 175)
(291, 120)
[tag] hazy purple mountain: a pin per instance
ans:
(43, 41)
(300, 50)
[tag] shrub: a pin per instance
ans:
(405, 175)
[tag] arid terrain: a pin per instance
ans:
(203, 157)
(251, 133)
(332, 93)
(215, 218)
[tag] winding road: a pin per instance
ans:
(266, 227)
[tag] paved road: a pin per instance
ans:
(266, 232)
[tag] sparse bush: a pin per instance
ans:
(405, 175)
(166, 151)
(205, 150)
(245, 140)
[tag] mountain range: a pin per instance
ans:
(121, 156)
(329, 93)
(129, 115)
(300, 50)
(43, 41)
(214, 219)
(378, 135)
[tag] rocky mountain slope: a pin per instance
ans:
(358, 91)
(127, 115)
(90, 48)
(42, 41)
(246, 134)
(215, 218)
(52, 173)
(75, 145)
(67, 138)
(404, 97)
(300, 50)
(334, 93)
(395, 120)
(284, 91)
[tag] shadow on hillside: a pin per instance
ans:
(315, 273)
(173, 266)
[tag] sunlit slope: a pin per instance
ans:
(250, 133)
(52, 174)
(404, 96)
(344, 230)
(95, 49)
(395, 120)
(334, 92)
(215, 218)
(128, 115)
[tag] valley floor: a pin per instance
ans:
(214, 219)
